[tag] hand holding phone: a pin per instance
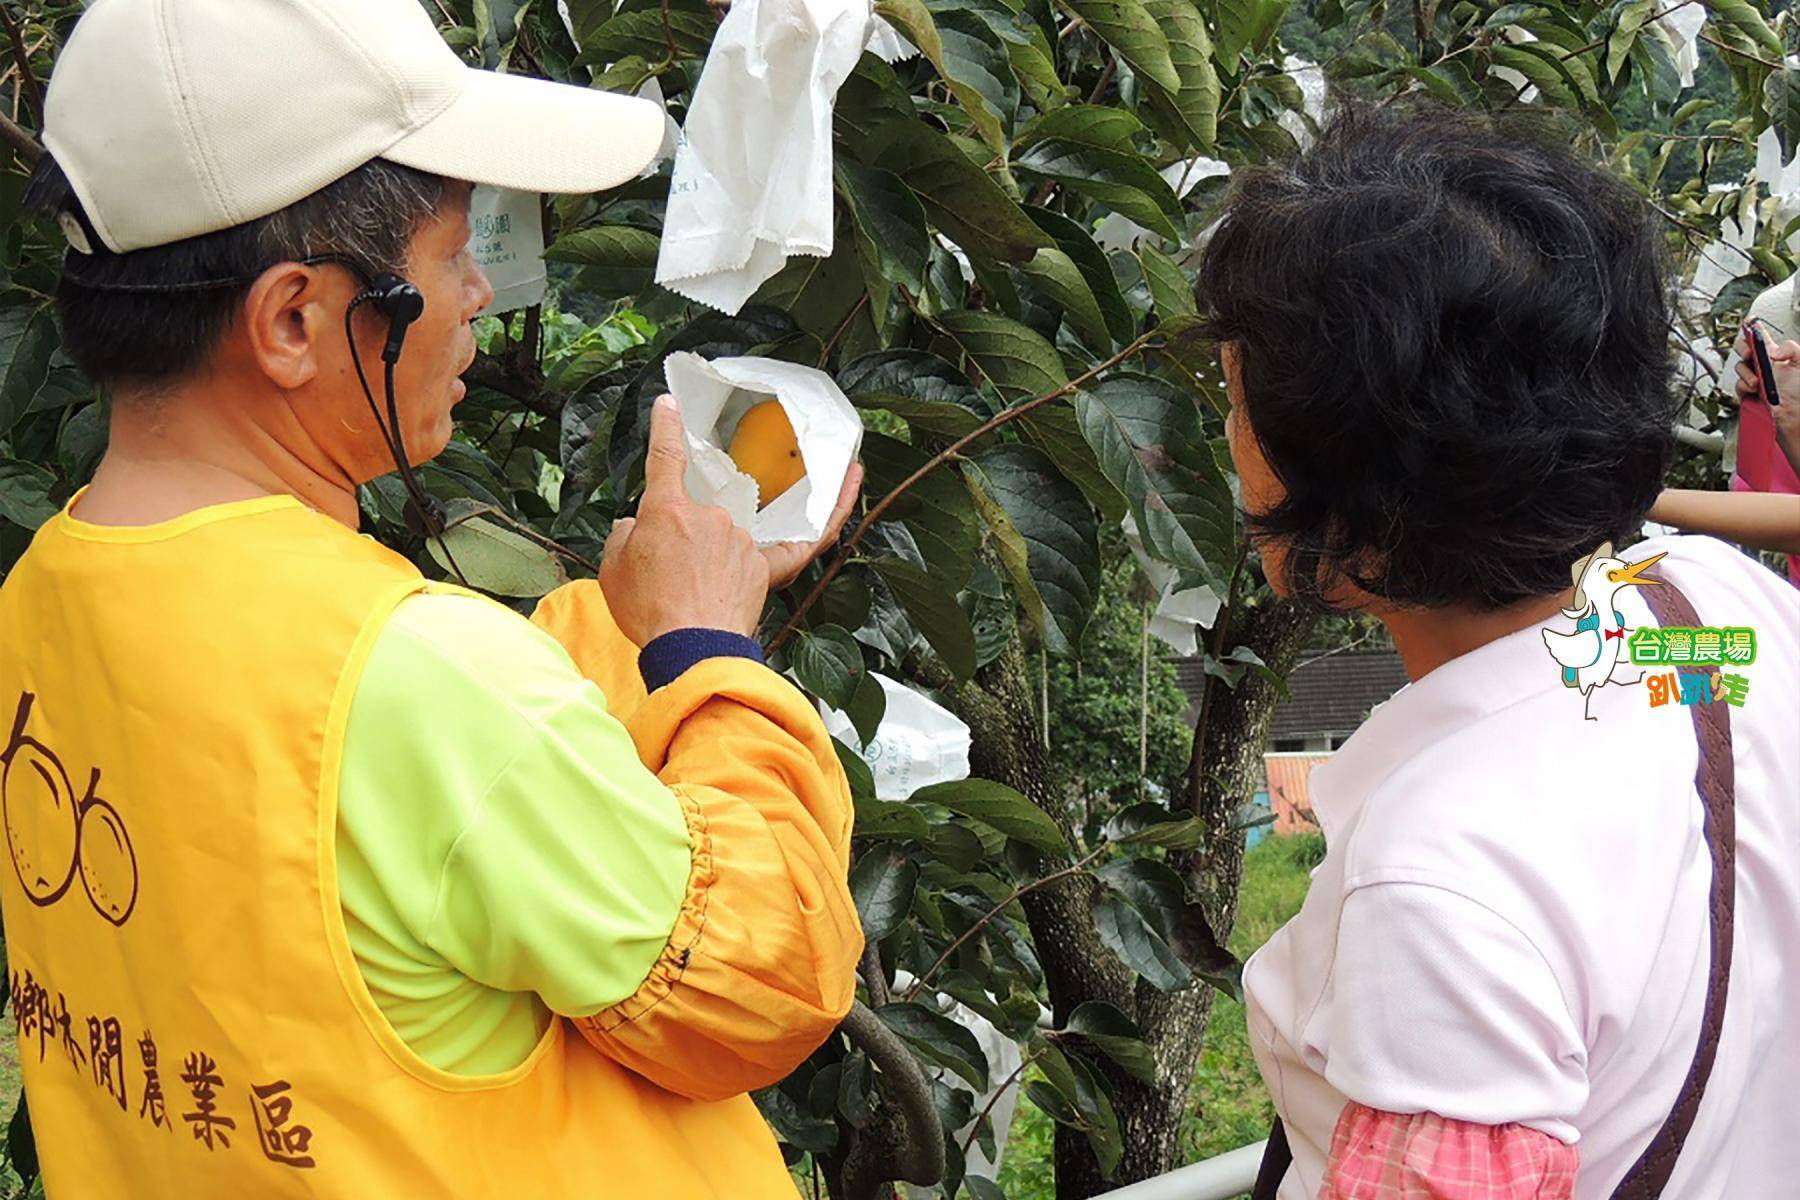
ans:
(1759, 358)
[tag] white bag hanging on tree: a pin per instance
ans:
(919, 742)
(714, 397)
(752, 181)
(507, 239)
(1180, 614)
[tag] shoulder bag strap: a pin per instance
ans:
(1716, 779)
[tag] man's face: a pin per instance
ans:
(441, 343)
(439, 347)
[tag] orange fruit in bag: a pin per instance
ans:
(764, 447)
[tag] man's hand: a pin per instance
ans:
(788, 559)
(677, 564)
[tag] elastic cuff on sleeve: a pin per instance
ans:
(666, 657)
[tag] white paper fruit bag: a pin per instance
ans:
(724, 397)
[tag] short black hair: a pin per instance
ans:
(151, 339)
(1453, 336)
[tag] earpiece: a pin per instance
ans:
(402, 304)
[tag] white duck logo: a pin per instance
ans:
(1591, 654)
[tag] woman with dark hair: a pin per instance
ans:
(1538, 960)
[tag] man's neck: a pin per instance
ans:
(169, 455)
(1427, 639)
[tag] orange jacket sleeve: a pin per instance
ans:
(761, 965)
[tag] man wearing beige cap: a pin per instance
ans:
(329, 880)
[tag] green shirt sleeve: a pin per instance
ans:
(501, 849)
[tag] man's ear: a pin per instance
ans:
(289, 322)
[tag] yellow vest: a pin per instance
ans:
(192, 1023)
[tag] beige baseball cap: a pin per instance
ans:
(174, 118)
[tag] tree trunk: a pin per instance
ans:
(1007, 746)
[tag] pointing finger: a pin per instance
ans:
(666, 463)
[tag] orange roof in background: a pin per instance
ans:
(1287, 778)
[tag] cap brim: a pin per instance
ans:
(537, 136)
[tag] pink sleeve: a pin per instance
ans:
(1379, 1155)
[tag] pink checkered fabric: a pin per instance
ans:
(1421, 1156)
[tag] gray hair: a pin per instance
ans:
(150, 318)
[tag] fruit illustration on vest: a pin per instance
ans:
(764, 447)
(53, 836)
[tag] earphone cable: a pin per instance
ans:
(417, 493)
(392, 439)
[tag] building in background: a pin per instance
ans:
(1330, 695)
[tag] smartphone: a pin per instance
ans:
(1759, 357)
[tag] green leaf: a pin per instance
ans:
(797, 1125)
(1055, 274)
(1654, 56)
(625, 76)
(21, 1146)
(1624, 34)
(1188, 115)
(1046, 535)
(1099, 1120)
(1539, 71)
(936, 510)
(1085, 253)
(961, 199)
(998, 807)
(497, 560)
(1100, 125)
(819, 293)
(1125, 183)
(933, 611)
(1050, 1102)
(641, 32)
(1116, 1035)
(859, 777)
(983, 1189)
(939, 1039)
(867, 706)
(967, 57)
(1055, 429)
(882, 884)
(887, 212)
(1245, 24)
(1126, 934)
(886, 818)
(1514, 14)
(828, 663)
(25, 493)
(1014, 358)
(620, 247)
(496, 28)
(1187, 833)
(1781, 92)
(1128, 27)
(871, 98)
(980, 72)
(1744, 17)
(956, 845)
(1034, 63)
(586, 424)
(1160, 897)
(924, 390)
(27, 340)
(81, 442)
(1170, 291)
(1146, 433)
(62, 387)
